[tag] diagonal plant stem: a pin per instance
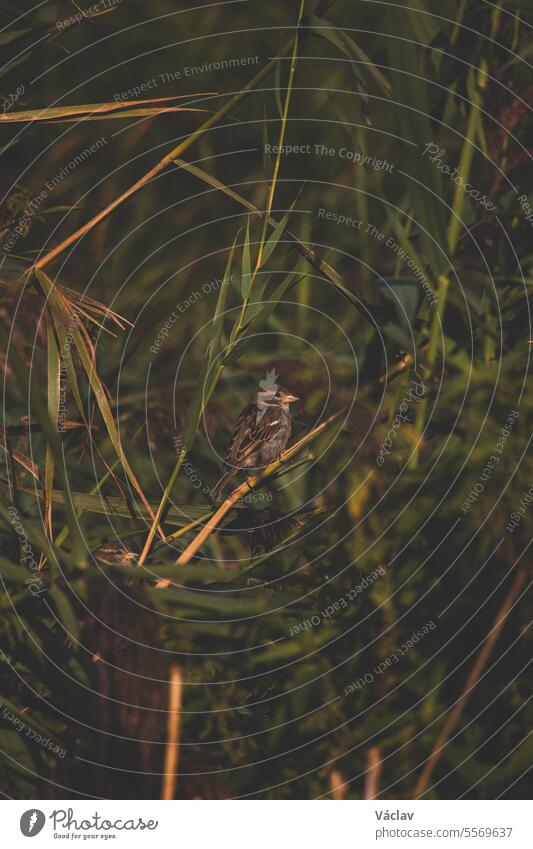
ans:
(373, 772)
(471, 682)
(241, 490)
(194, 415)
(51, 436)
(167, 159)
(310, 255)
(51, 255)
(400, 365)
(435, 333)
(160, 509)
(284, 117)
(456, 221)
(173, 733)
(63, 534)
(465, 167)
(185, 529)
(177, 151)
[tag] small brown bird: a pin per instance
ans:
(262, 432)
(115, 553)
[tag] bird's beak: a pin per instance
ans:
(289, 399)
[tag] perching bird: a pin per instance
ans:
(262, 432)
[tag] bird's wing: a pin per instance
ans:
(251, 432)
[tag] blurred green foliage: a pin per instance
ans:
(387, 101)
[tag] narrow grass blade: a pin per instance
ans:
(53, 388)
(96, 111)
(326, 270)
(87, 356)
(347, 46)
(51, 436)
(246, 276)
(108, 505)
(277, 163)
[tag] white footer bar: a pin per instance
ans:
(267, 824)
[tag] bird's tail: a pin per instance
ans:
(222, 483)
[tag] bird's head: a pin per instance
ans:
(275, 395)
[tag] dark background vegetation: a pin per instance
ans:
(85, 664)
